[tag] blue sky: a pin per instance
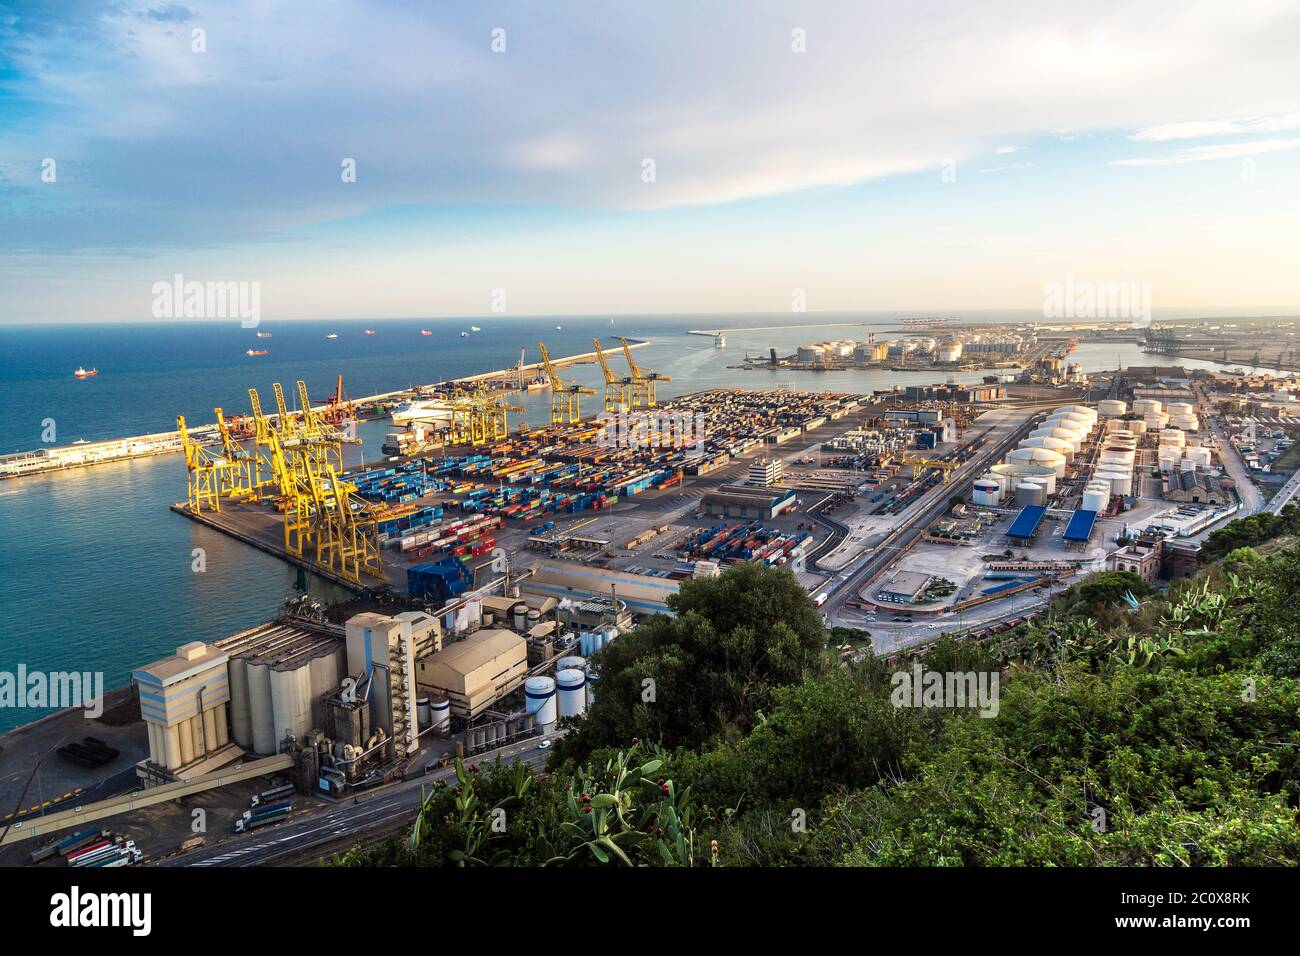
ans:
(876, 156)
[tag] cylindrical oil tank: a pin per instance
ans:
(533, 618)
(1179, 408)
(592, 677)
(489, 619)
(1200, 455)
(539, 698)
(291, 700)
(1083, 410)
(986, 492)
(423, 712)
(440, 714)
(571, 691)
(1096, 497)
(1147, 406)
(1031, 491)
(1186, 465)
(241, 710)
(607, 634)
(1173, 436)
(1168, 457)
(1111, 407)
(573, 662)
(1156, 421)
(520, 615)
(1137, 426)
(1122, 456)
(1014, 471)
(1065, 448)
(263, 717)
(1039, 456)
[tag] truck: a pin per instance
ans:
(120, 856)
(69, 845)
(102, 852)
(269, 813)
(268, 796)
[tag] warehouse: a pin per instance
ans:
(904, 587)
(1196, 487)
(477, 672)
(641, 593)
(747, 501)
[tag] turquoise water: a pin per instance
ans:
(97, 572)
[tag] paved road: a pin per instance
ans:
(372, 813)
(1252, 501)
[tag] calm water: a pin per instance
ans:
(96, 572)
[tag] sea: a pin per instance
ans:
(98, 576)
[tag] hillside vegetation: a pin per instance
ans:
(1166, 735)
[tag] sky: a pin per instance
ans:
(667, 157)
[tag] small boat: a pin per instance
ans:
(263, 335)
(332, 335)
(82, 373)
(425, 332)
(559, 328)
(369, 331)
(256, 352)
(464, 335)
(475, 328)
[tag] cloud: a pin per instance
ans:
(1007, 150)
(1201, 154)
(168, 148)
(1203, 128)
(1002, 169)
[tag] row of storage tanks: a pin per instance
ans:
(1030, 472)
(1152, 415)
(572, 689)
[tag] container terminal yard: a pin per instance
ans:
(487, 569)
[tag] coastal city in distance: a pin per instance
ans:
(675, 479)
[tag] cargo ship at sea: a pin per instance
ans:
(83, 373)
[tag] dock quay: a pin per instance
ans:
(43, 461)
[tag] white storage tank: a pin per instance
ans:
(1096, 497)
(539, 699)
(1168, 457)
(1146, 406)
(1173, 436)
(1111, 407)
(1179, 408)
(572, 662)
(1014, 471)
(1156, 421)
(986, 492)
(1065, 448)
(1137, 426)
(571, 691)
(440, 714)
(1039, 456)
(1200, 455)
(607, 634)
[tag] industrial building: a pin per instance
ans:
(473, 674)
(904, 587)
(183, 700)
(747, 501)
(766, 472)
(641, 593)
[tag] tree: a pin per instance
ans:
(704, 674)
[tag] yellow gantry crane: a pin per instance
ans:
(643, 382)
(618, 391)
(947, 467)
(566, 396)
(205, 473)
(240, 480)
